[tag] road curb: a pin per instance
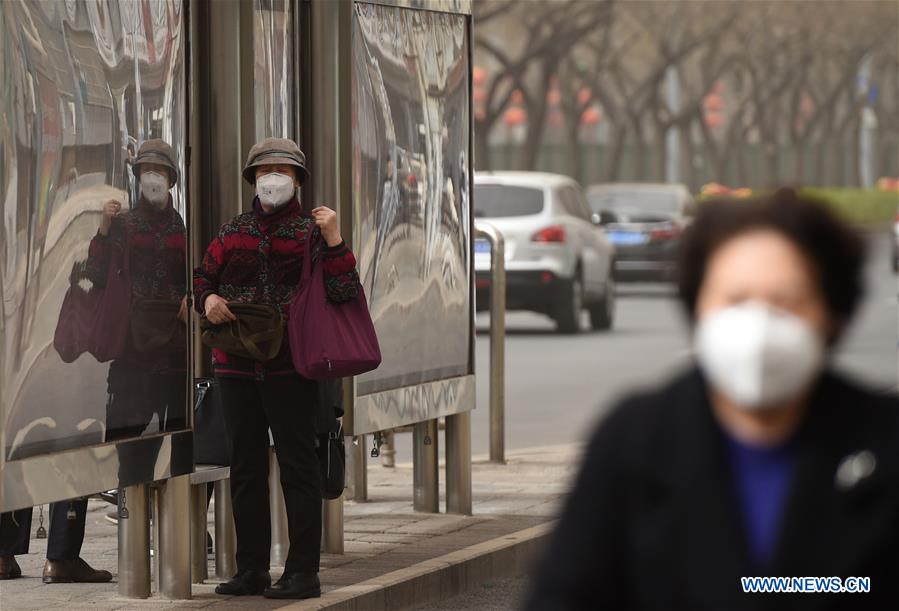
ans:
(439, 578)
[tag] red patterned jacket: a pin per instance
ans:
(258, 258)
(154, 241)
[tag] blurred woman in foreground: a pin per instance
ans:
(760, 460)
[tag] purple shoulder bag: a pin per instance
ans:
(329, 340)
(96, 321)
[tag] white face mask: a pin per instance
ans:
(154, 187)
(275, 189)
(758, 356)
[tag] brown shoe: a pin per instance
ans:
(73, 571)
(9, 568)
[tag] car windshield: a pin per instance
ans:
(506, 200)
(652, 202)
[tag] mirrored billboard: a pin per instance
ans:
(93, 266)
(410, 124)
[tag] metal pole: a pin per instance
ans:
(357, 470)
(280, 534)
(458, 463)
(134, 542)
(174, 538)
(225, 535)
(388, 450)
(425, 467)
(332, 526)
(497, 340)
(199, 564)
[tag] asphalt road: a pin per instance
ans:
(559, 386)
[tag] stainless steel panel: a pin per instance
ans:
(411, 150)
(80, 472)
(273, 68)
(444, 6)
(84, 84)
(392, 408)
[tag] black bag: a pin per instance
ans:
(330, 449)
(212, 444)
(332, 462)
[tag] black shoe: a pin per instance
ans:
(295, 585)
(245, 583)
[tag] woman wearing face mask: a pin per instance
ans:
(257, 258)
(149, 378)
(141, 383)
(760, 461)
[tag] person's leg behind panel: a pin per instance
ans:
(289, 403)
(248, 429)
(64, 563)
(15, 533)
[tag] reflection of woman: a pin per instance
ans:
(761, 461)
(149, 378)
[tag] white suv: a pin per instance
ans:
(558, 260)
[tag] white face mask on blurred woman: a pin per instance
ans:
(275, 189)
(155, 188)
(756, 355)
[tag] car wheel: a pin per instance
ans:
(569, 307)
(602, 313)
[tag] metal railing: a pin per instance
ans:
(497, 339)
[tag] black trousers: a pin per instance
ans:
(135, 395)
(64, 536)
(287, 406)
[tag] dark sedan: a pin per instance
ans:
(644, 222)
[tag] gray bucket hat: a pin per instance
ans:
(156, 151)
(275, 150)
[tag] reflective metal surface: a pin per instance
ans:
(444, 6)
(173, 545)
(393, 408)
(84, 84)
(411, 149)
(134, 541)
(497, 339)
(273, 68)
(83, 471)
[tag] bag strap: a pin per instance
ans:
(249, 342)
(307, 258)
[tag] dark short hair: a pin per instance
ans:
(835, 250)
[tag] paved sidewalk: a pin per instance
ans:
(384, 537)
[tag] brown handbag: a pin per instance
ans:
(256, 334)
(155, 326)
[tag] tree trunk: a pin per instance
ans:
(575, 153)
(613, 168)
(661, 152)
(482, 146)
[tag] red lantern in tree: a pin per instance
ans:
(712, 103)
(515, 116)
(478, 76)
(583, 96)
(714, 119)
(591, 116)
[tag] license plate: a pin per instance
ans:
(628, 238)
(482, 247)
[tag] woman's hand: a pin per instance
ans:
(326, 219)
(217, 310)
(111, 209)
(182, 311)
